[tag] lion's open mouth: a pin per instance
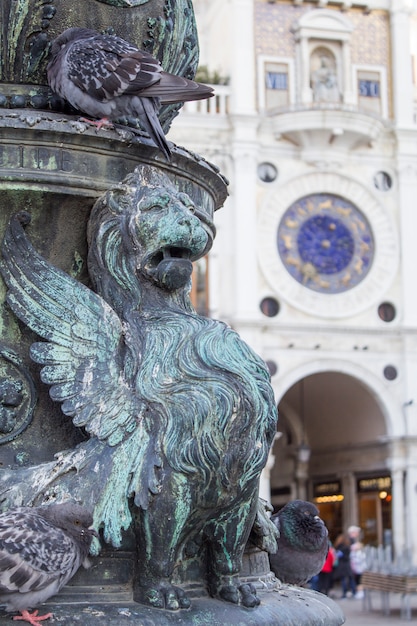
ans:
(169, 267)
(170, 252)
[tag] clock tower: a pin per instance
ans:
(316, 130)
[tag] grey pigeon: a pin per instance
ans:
(303, 543)
(41, 548)
(106, 77)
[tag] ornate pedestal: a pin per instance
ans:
(109, 601)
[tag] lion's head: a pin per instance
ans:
(143, 230)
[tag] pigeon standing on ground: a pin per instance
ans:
(106, 77)
(41, 548)
(303, 543)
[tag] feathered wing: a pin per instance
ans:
(106, 67)
(82, 357)
(33, 554)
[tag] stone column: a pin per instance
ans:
(411, 501)
(407, 192)
(406, 150)
(243, 58)
(245, 146)
(304, 69)
(350, 503)
(346, 87)
(401, 63)
(302, 480)
(244, 306)
(398, 510)
(265, 480)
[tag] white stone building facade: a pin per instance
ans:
(315, 259)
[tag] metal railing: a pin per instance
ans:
(217, 105)
(381, 560)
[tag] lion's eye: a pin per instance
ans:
(151, 207)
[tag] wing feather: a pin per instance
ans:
(105, 67)
(84, 335)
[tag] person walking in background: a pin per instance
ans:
(325, 578)
(354, 533)
(343, 571)
(357, 558)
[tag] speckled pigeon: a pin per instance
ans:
(106, 77)
(303, 543)
(41, 548)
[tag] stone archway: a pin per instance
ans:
(347, 423)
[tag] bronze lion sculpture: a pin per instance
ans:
(179, 410)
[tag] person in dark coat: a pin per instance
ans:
(343, 571)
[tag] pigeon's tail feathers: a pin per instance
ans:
(171, 89)
(152, 125)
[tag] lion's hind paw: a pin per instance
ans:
(165, 596)
(243, 594)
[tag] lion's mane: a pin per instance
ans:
(211, 391)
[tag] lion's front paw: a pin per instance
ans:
(242, 594)
(163, 596)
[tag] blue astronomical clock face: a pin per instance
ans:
(325, 243)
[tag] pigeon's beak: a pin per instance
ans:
(91, 531)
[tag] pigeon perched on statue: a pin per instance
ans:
(302, 545)
(41, 548)
(106, 77)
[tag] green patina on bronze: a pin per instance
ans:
(178, 409)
